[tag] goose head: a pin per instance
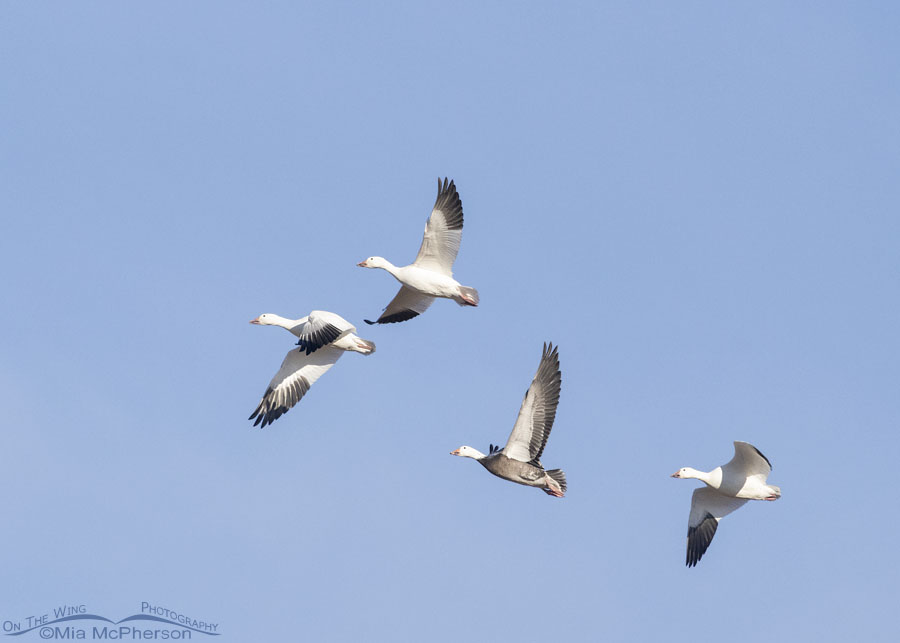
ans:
(266, 319)
(686, 472)
(269, 319)
(468, 452)
(373, 262)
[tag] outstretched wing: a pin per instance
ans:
(298, 372)
(708, 507)
(407, 304)
(532, 428)
(747, 461)
(443, 232)
(322, 328)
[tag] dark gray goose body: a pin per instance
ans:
(519, 461)
(532, 475)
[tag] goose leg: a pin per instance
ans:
(552, 488)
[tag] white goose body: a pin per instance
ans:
(431, 274)
(727, 488)
(736, 486)
(323, 338)
(421, 280)
(343, 331)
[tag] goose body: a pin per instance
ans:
(519, 461)
(431, 275)
(727, 488)
(526, 473)
(323, 338)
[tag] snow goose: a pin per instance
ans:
(323, 338)
(431, 274)
(520, 460)
(727, 487)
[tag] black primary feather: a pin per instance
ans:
(320, 338)
(401, 316)
(699, 539)
(762, 456)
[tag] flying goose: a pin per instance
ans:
(520, 460)
(727, 488)
(431, 274)
(323, 338)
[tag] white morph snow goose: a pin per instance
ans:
(323, 339)
(727, 487)
(520, 460)
(431, 274)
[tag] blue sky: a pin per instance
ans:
(696, 201)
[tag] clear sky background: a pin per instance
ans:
(698, 201)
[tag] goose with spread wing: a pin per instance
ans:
(431, 274)
(323, 338)
(727, 488)
(520, 460)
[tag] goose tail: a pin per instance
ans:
(557, 476)
(467, 296)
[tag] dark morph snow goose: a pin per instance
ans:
(520, 460)
(431, 274)
(323, 339)
(727, 487)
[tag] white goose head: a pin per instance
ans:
(266, 319)
(686, 472)
(468, 452)
(269, 319)
(373, 262)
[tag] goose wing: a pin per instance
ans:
(298, 372)
(708, 507)
(443, 232)
(529, 435)
(322, 328)
(747, 461)
(406, 304)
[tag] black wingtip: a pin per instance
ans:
(762, 456)
(402, 316)
(448, 187)
(699, 539)
(370, 323)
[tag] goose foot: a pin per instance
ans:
(553, 492)
(772, 498)
(468, 300)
